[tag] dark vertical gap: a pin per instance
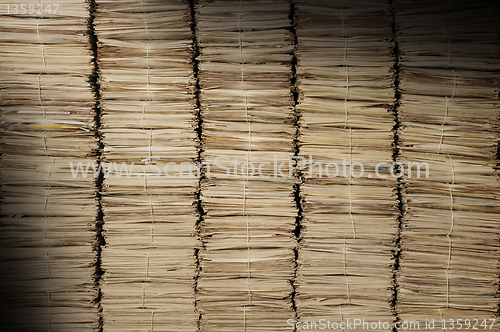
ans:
(198, 127)
(297, 188)
(497, 3)
(99, 240)
(396, 156)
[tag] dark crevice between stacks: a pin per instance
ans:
(396, 156)
(198, 127)
(498, 135)
(99, 241)
(297, 188)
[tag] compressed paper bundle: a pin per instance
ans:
(295, 111)
(346, 86)
(449, 112)
(148, 118)
(48, 213)
(247, 262)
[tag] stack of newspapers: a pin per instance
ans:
(248, 261)
(147, 123)
(350, 211)
(449, 269)
(47, 213)
(231, 165)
